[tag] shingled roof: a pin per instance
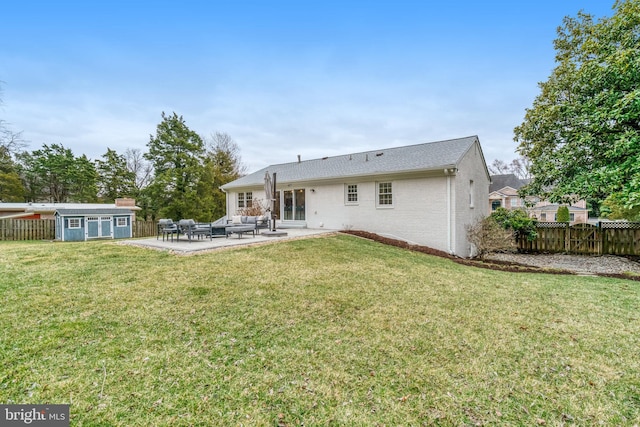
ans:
(499, 182)
(104, 211)
(420, 157)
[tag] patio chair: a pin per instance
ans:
(167, 228)
(191, 228)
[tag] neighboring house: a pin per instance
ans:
(86, 224)
(546, 212)
(503, 192)
(38, 210)
(425, 194)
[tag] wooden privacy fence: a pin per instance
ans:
(44, 229)
(145, 228)
(27, 229)
(605, 238)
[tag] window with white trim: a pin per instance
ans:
(121, 222)
(385, 194)
(471, 195)
(351, 194)
(74, 223)
(245, 200)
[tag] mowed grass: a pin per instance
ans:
(326, 331)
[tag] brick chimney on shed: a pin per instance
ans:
(125, 202)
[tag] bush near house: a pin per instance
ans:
(501, 231)
(516, 220)
(562, 215)
(487, 236)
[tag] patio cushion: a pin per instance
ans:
(236, 219)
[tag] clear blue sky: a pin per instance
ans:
(315, 78)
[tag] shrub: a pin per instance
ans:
(517, 221)
(487, 235)
(257, 208)
(562, 215)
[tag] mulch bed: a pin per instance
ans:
(480, 263)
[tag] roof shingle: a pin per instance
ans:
(427, 156)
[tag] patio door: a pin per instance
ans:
(294, 205)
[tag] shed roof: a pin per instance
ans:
(37, 207)
(420, 157)
(103, 211)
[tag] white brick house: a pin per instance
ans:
(425, 194)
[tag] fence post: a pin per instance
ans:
(601, 242)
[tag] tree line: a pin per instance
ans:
(579, 140)
(179, 176)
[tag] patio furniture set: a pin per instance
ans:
(200, 230)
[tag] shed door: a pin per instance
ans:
(98, 226)
(93, 227)
(105, 226)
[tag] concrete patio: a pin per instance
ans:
(184, 246)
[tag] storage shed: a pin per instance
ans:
(84, 224)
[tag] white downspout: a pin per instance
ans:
(226, 202)
(446, 172)
(450, 224)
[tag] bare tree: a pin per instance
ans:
(137, 164)
(519, 167)
(225, 150)
(498, 167)
(10, 142)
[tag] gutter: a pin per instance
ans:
(350, 177)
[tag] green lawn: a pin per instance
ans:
(325, 331)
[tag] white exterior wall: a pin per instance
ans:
(418, 214)
(470, 168)
(431, 210)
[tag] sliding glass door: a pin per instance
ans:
(294, 205)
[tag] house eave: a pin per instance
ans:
(376, 176)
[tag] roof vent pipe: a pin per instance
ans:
(298, 158)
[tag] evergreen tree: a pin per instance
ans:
(176, 154)
(54, 174)
(562, 215)
(582, 134)
(114, 177)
